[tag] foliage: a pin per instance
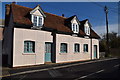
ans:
(114, 41)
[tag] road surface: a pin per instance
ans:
(98, 70)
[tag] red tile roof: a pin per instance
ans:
(21, 15)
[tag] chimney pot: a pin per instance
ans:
(62, 15)
(13, 2)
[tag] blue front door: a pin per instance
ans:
(48, 50)
(95, 51)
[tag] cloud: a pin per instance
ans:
(102, 29)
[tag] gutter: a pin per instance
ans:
(91, 47)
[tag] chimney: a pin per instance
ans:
(62, 15)
(13, 2)
(7, 7)
(7, 14)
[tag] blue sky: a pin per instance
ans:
(94, 11)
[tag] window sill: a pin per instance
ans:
(76, 52)
(36, 27)
(28, 54)
(85, 52)
(62, 53)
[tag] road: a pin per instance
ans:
(100, 70)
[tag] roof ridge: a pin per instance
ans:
(21, 6)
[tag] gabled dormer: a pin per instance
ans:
(37, 17)
(87, 28)
(75, 24)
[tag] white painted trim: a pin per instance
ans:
(38, 8)
(87, 28)
(32, 19)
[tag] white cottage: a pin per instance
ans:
(33, 37)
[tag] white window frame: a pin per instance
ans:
(87, 28)
(63, 48)
(29, 46)
(85, 48)
(42, 22)
(76, 48)
(75, 27)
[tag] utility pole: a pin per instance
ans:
(107, 36)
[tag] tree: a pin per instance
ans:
(114, 41)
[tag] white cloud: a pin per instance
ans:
(102, 29)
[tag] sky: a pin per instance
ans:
(94, 11)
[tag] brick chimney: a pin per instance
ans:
(7, 14)
(63, 15)
(13, 2)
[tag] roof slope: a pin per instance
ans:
(21, 15)
(93, 34)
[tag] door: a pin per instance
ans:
(95, 51)
(48, 50)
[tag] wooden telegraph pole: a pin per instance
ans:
(107, 36)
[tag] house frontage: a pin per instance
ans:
(33, 37)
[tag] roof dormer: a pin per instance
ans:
(75, 24)
(37, 17)
(87, 28)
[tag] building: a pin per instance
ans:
(1, 34)
(33, 37)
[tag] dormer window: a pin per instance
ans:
(75, 28)
(40, 21)
(75, 24)
(87, 28)
(37, 17)
(37, 20)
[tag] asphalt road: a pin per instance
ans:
(100, 70)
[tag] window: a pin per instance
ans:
(40, 21)
(75, 28)
(37, 20)
(76, 48)
(63, 48)
(29, 46)
(87, 29)
(85, 47)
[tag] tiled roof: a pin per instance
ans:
(56, 22)
(93, 34)
(21, 15)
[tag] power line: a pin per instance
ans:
(109, 8)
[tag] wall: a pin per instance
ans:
(1, 33)
(71, 56)
(95, 42)
(1, 38)
(40, 37)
